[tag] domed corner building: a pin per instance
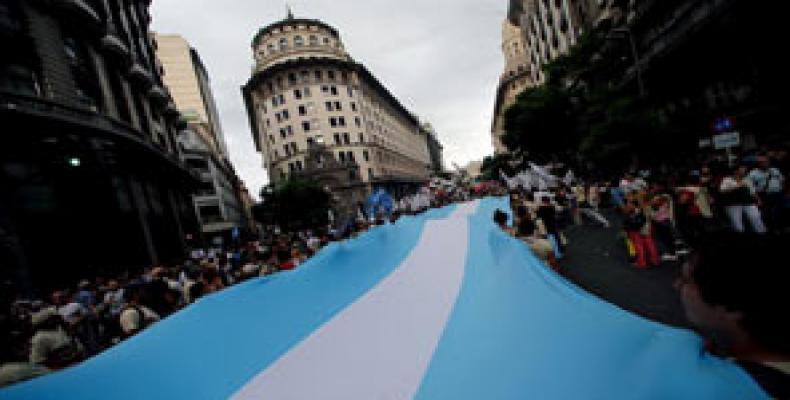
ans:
(316, 113)
(91, 182)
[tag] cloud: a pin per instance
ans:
(440, 58)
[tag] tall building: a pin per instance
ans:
(188, 81)
(535, 33)
(91, 178)
(308, 95)
(516, 78)
(218, 205)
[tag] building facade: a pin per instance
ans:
(516, 78)
(90, 169)
(218, 204)
(435, 148)
(307, 91)
(535, 33)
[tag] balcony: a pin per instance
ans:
(140, 74)
(158, 95)
(82, 9)
(112, 43)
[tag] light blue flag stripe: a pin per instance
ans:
(519, 331)
(209, 350)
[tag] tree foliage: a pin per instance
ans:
(294, 204)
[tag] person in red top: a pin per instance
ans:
(286, 262)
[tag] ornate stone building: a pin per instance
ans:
(306, 91)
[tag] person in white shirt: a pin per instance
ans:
(768, 183)
(135, 317)
(739, 199)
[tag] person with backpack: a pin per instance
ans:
(135, 317)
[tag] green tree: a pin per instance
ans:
(294, 204)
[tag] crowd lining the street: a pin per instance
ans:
(45, 335)
(665, 215)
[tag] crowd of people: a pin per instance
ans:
(72, 324)
(663, 213)
(726, 221)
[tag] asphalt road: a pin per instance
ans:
(596, 259)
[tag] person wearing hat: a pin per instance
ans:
(51, 346)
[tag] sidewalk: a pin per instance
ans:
(597, 261)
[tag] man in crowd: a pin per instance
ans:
(135, 316)
(768, 183)
(732, 290)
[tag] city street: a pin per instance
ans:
(596, 260)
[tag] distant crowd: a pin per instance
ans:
(72, 324)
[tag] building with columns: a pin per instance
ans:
(307, 93)
(90, 170)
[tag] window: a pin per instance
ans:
(289, 130)
(306, 126)
(278, 117)
(326, 41)
(366, 155)
(318, 76)
(275, 101)
(362, 139)
(283, 133)
(306, 92)
(298, 41)
(302, 110)
(353, 106)
(268, 123)
(357, 122)
(328, 105)
(271, 47)
(271, 139)
(287, 150)
(299, 166)
(338, 107)
(346, 139)
(304, 76)
(330, 75)
(370, 173)
(333, 122)
(341, 121)
(350, 92)
(298, 94)
(294, 148)
(282, 99)
(333, 90)
(313, 40)
(350, 156)
(292, 78)
(325, 89)
(337, 138)
(286, 116)
(283, 44)
(344, 76)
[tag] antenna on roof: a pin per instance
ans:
(289, 13)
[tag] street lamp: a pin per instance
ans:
(622, 33)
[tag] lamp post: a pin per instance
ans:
(626, 33)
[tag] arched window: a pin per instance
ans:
(298, 41)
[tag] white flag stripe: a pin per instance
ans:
(379, 346)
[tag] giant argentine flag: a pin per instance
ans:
(441, 306)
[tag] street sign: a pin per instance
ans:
(703, 143)
(726, 140)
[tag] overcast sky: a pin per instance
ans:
(440, 58)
